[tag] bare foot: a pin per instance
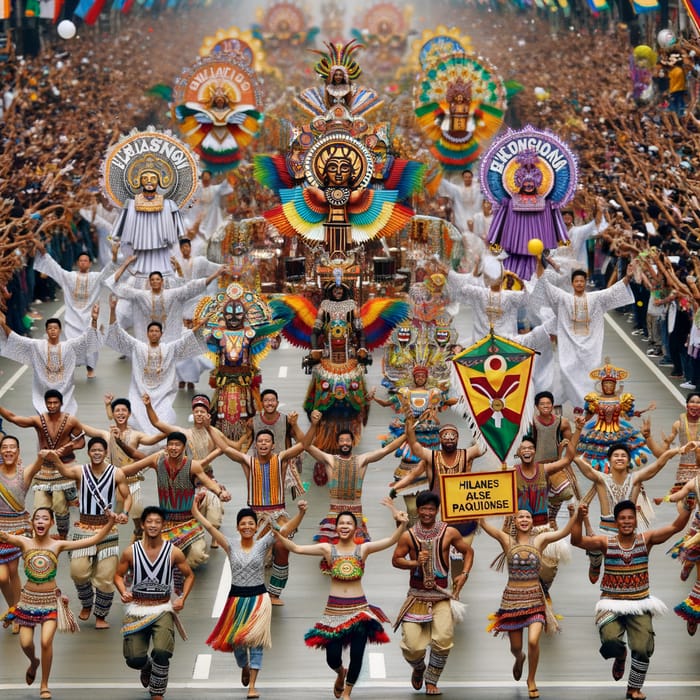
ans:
(275, 600)
(101, 623)
(432, 689)
(84, 613)
(30, 676)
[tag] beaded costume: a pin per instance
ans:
(523, 602)
(14, 518)
(36, 607)
(345, 616)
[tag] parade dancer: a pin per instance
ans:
(15, 480)
(348, 620)
(153, 365)
(151, 613)
(122, 448)
(81, 289)
(265, 475)
(426, 616)
(63, 433)
(176, 474)
(688, 549)
(524, 603)
(41, 603)
(53, 361)
(619, 485)
(581, 326)
(345, 474)
(244, 624)
(626, 605)
(92, 568)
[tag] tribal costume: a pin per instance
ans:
(523, 602)
(688, 550)
(149, 617)
(687, 463)
(36, 607)
(426, 615)
(266, 498)
(175, 496)
(244, 624)
(119, 458)
(51, 488)
(14, 518)
(627, 606)
(345, 488)
(347, 622)
(461, 466)
(92, 568)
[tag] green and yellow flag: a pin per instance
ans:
(495, 376)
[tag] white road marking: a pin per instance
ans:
(202, 666)
(222, 592)
(282, 373)
(377, 667)
(303, 684)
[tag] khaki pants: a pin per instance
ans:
(416, 637)
(56, 500)
(161, 635)
(640, 637)
(90, 570)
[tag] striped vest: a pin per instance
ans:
(626, 575)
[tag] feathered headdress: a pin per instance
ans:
(339, 56)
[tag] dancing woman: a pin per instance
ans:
(348, 620)
(244, 625)
(40, 598)
(523, 603)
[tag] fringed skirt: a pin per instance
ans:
(13, 524)
(689, 609)
(522, 604)
(688, 549)
(34, 608)
(245, 620)
(345, 616)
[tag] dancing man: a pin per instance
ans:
(151, 616)
(626, 605)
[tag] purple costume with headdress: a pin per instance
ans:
(524, 216)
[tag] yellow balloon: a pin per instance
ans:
(535, 246)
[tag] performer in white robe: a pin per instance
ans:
(491, 305)
(206, 216)
(466, 199)
(53, 361)
(81, 289)
(157, 304)
(581, 327)
(152, 368)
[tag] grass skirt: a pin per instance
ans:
(244, 622)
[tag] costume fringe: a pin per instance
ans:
(321, 635)
(244, 622)
(607, 609)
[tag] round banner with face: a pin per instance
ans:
(338, 156)
(149, 151)
(529, 161)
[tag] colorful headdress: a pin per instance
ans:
(339, 57)
(608, 372)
